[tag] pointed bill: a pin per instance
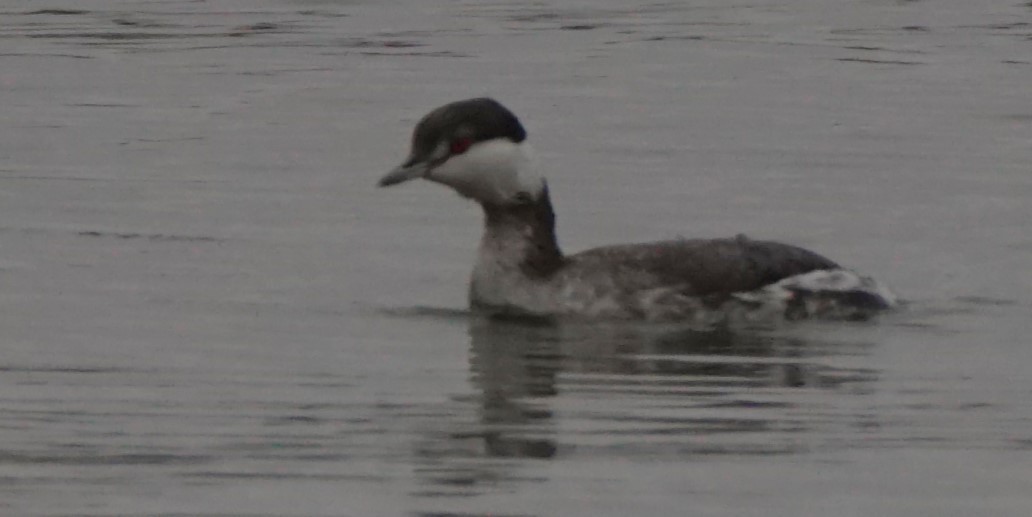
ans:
(403, 173)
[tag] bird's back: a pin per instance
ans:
(699, 267)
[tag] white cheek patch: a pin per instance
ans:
(527, 176)
(492, 171)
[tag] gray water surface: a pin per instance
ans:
(207, 308)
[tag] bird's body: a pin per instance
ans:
(477, 147)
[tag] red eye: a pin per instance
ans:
(461, 145)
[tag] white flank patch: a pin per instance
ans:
(821, 293)
(837, 280)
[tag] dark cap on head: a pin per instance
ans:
(478, 119)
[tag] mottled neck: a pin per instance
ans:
(523, 236)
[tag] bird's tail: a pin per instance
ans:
(838, 294)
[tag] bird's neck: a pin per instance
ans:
(522, 237)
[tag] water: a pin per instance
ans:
(208, 309)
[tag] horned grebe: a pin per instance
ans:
(478, 148)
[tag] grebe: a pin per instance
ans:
(478, 148)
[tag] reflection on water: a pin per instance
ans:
(515, 366)
(545, 391)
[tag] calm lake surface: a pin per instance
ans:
(208, 309)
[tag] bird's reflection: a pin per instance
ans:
(515, 364)
(521, 366)
(542, 390)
